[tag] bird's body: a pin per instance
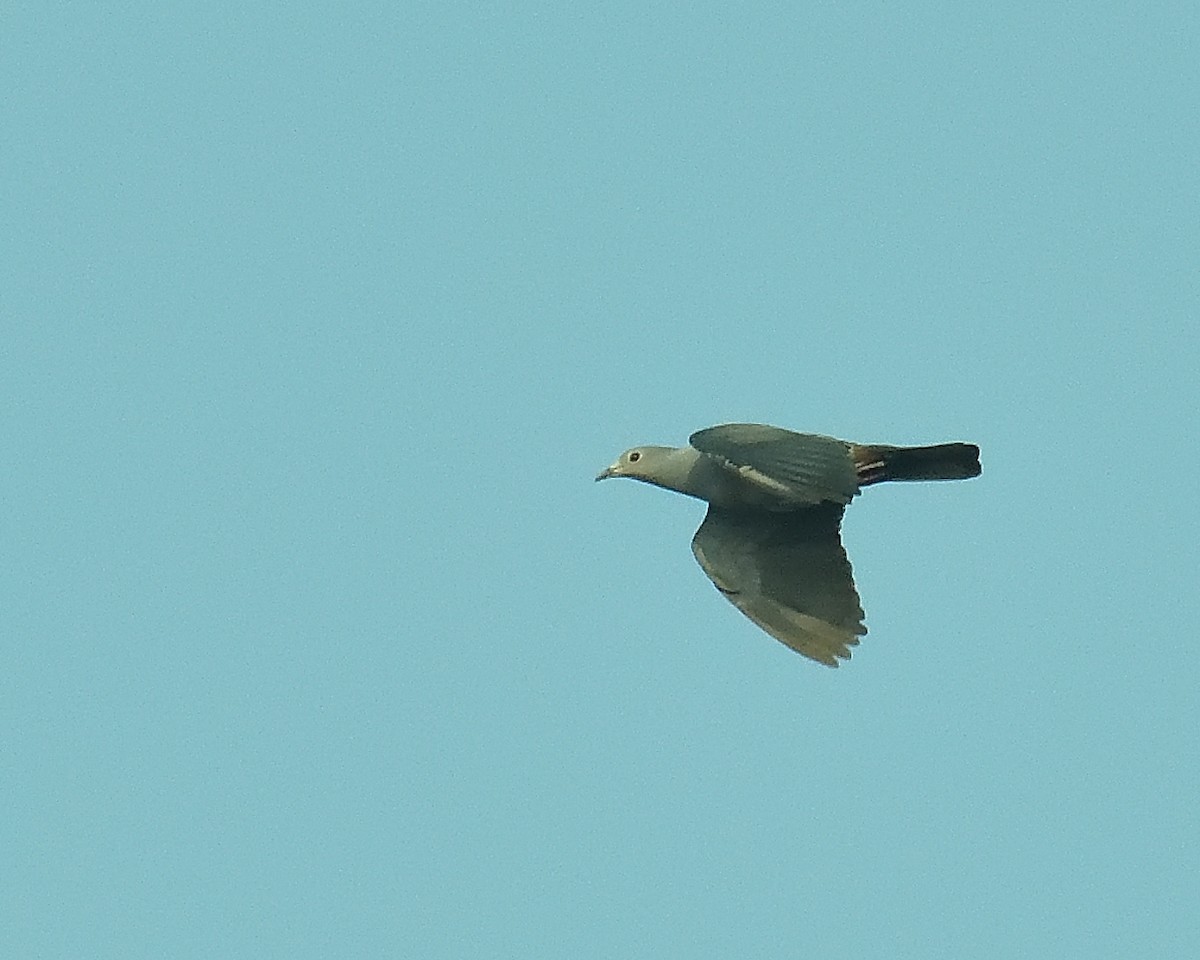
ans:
(770, 541)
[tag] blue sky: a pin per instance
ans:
(318, 638)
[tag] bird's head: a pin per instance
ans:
(639, 463)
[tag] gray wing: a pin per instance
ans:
(801, 467)
(788, 573)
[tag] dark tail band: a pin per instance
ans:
(945, 461)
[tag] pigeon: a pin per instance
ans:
(770, 541)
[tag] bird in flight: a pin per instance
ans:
(770, 541)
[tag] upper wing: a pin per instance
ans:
(788, 573)
(800, 467)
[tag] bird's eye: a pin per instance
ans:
(635, 456)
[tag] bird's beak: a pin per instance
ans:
(607, 472)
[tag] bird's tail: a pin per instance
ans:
(945, 461)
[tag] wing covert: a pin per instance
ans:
(801, 467)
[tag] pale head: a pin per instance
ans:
(638, 463)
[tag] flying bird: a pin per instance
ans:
(770, 541)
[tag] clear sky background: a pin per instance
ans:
(318, 639)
